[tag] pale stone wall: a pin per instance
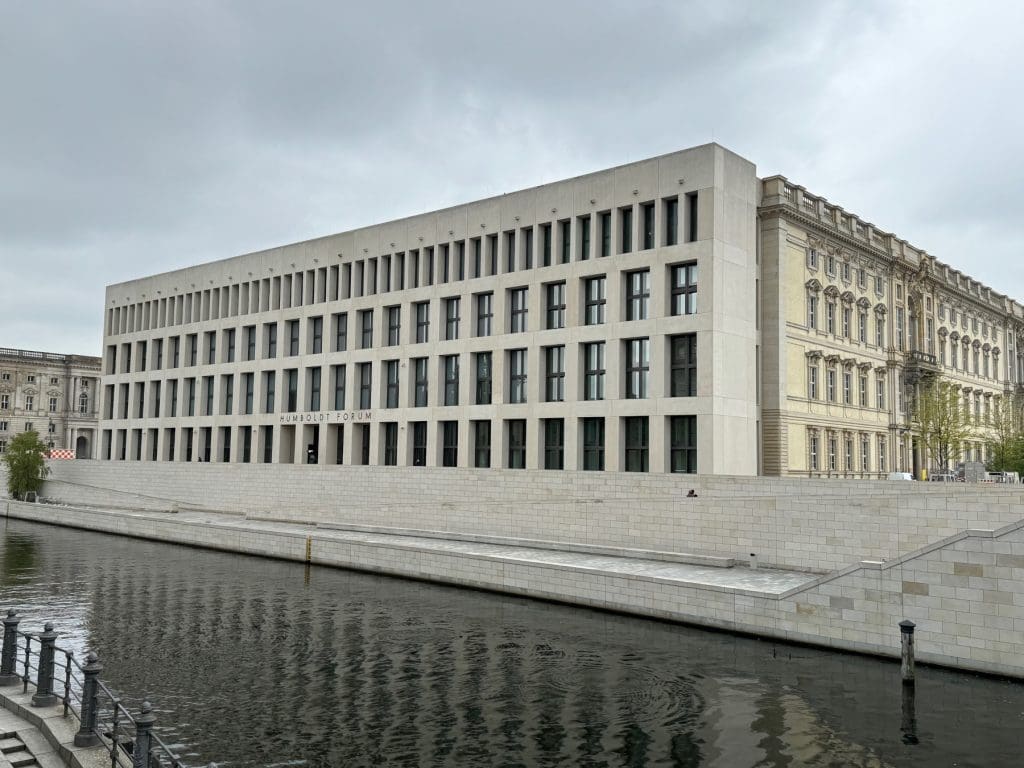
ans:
(965, 593)
(805, 524)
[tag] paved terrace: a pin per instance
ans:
(755, 581)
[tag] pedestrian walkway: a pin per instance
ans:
(765, 581)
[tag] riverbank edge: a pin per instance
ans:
(57, 729)
(746, 612)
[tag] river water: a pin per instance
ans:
(254, 662)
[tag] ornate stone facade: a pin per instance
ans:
(56, 395)
(862, 317)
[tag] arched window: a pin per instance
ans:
(83, 403)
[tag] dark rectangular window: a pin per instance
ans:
(269, 340)
(555, 314)
(317, 330)
(211, 347)
(419, 443)
(684, 289)
(250, 342)
(208, 395)
(638, 294)
(228, 382)
(554, 374)
(249, 387)
(340, 323)
(484, 313)
(683, 443)
(451, 379)
(193, 348)
(422, 309)
(492, 247)
(593, 361)
(366, 329)
(545, 240)
(390, 443)
(528, 248)
(478, 257)
(175, 351)
(428, 254)
(625, 230)
(229, 335)
(554, 444)
(647, 211)
(269, 385)
(339, 387)
(292, 376)
(394, 326)
(452, 315)
(246, 443)
(481, 443)
(564, 238)
(314, 388)
(672, 221)
(510, 251)
(517, 310)
(583, 227)
(293, 338)
(420, 384)
(391, 383)
(268, 443)
(593, 443)
(483, 378)
(516, 443)
(594, 296)
(365, 385)
(449, 443)
(636, 443)
(606, 233)
(517, 375)
(691, 217)
(684, 365)
(638, 366)
(158, 356)
(173, 397)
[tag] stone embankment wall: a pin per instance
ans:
(814, 525)
(966, 592)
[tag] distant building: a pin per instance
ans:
(677, 314)
(55, 395)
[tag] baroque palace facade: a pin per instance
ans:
(676, 314)
(55, 395)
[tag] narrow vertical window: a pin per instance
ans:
(647, 214)
(554, 374)
(555, 315)
(683, 444)
(636, 443)
(672, 221)
(638, 294)
(554, 443)
(684, 289)
(638, 366)
(625, 230)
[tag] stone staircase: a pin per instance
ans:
(14, 753)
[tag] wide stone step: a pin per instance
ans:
(9, 744)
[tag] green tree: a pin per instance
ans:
(941, 422)
(1007, 438)
(26, 468)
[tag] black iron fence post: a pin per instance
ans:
(87, 736)
(44, 696)
(143, 736)
(9, 654)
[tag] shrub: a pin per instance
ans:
(26, 468)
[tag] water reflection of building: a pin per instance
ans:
(56, 395)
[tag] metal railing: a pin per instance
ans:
(60, 679)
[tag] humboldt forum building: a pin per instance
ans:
(677, 314)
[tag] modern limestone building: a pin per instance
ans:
(55, 395)
(674, 314)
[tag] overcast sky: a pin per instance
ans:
(138, 137)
